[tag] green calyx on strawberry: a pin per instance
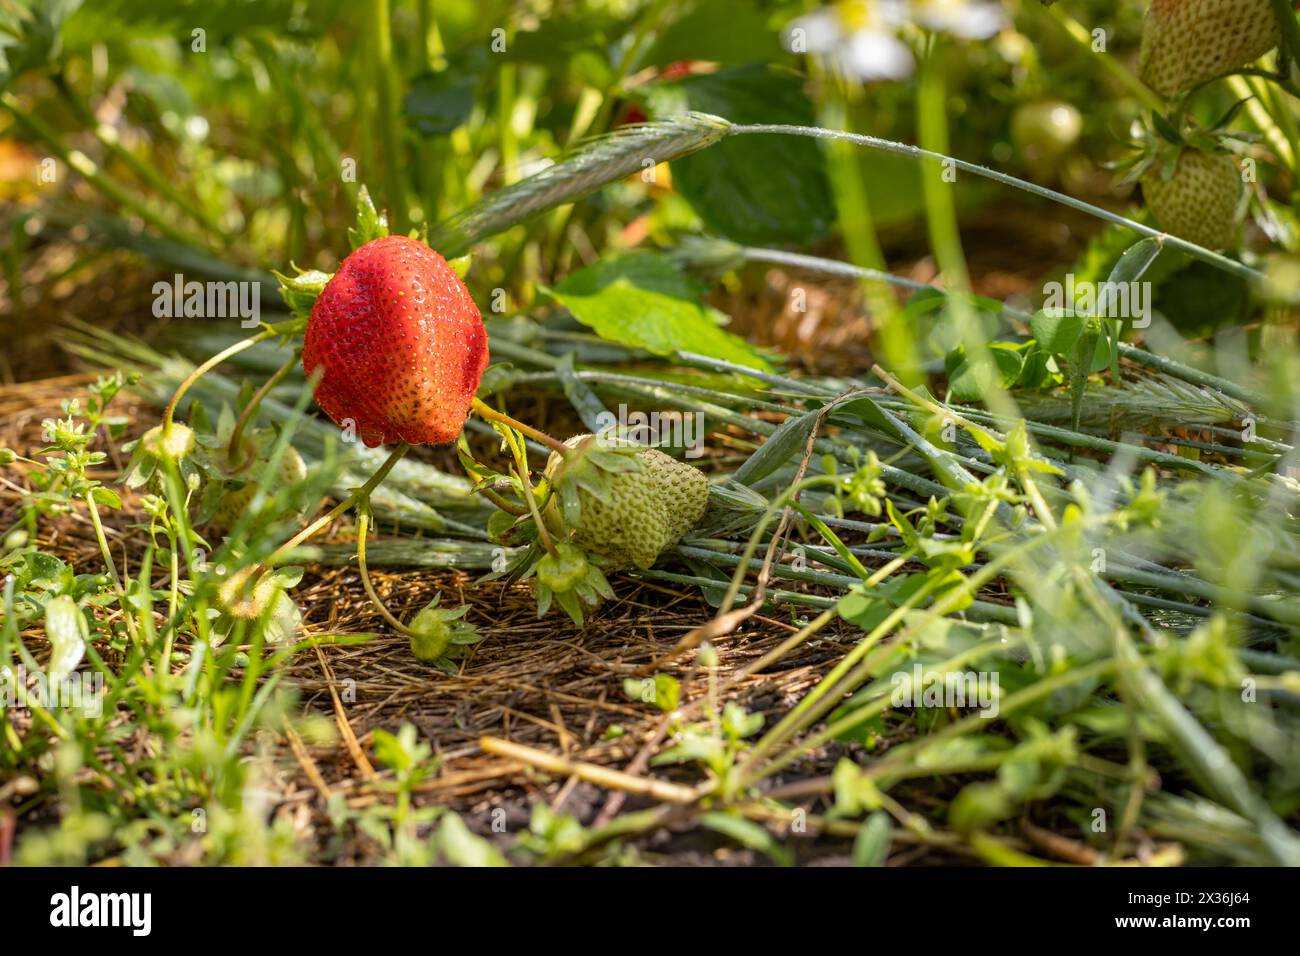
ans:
(1191, 180)
(395, 337)
(571, 580)
(1186, 43)
(623, 502)
(439, 636)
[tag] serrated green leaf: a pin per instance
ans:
(644, 300)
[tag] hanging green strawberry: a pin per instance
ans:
(1188, 42)
(1195, 196)
(400, 342)
(627, 514)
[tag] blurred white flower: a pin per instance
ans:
(858, 36)
(969, 19)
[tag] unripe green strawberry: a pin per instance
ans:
(163, 442)
(1198, 200)
(235, 502)
(640, 513)
(1044, 132)
(158, 449)
(439, 635)
(1187, 42)
(240, 596)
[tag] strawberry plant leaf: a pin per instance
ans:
(769, 189)
(1057, 331)
(730, 32)
(971, 381)
(438, 103)
(646, 301)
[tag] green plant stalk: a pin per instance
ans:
(1250, 90)
(1286, 18)
(978, 611)
(1211, 764)
(507, 75)
(173, 601)
(897, 759)
(1177, 369)
(1282, 112)
(1082, 38)
(914, 152)
(381, 27)
(586, 119)
(862, 242)
(170, 411)
(875, 707)
(816, 701)
(232, 450)
(774, 597)
(357, 494)
(845, 677)
(489, 413)
(751, 546)
(113, 577)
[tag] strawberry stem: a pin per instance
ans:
(1290, 28)
(170, 411)
(363, 529)
(232, 450)
(489, 413)
(358, 494)
(542, 533)
(497, 499)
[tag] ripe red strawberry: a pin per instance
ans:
(1198, 199)
(401, 343)
(1187, 42)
